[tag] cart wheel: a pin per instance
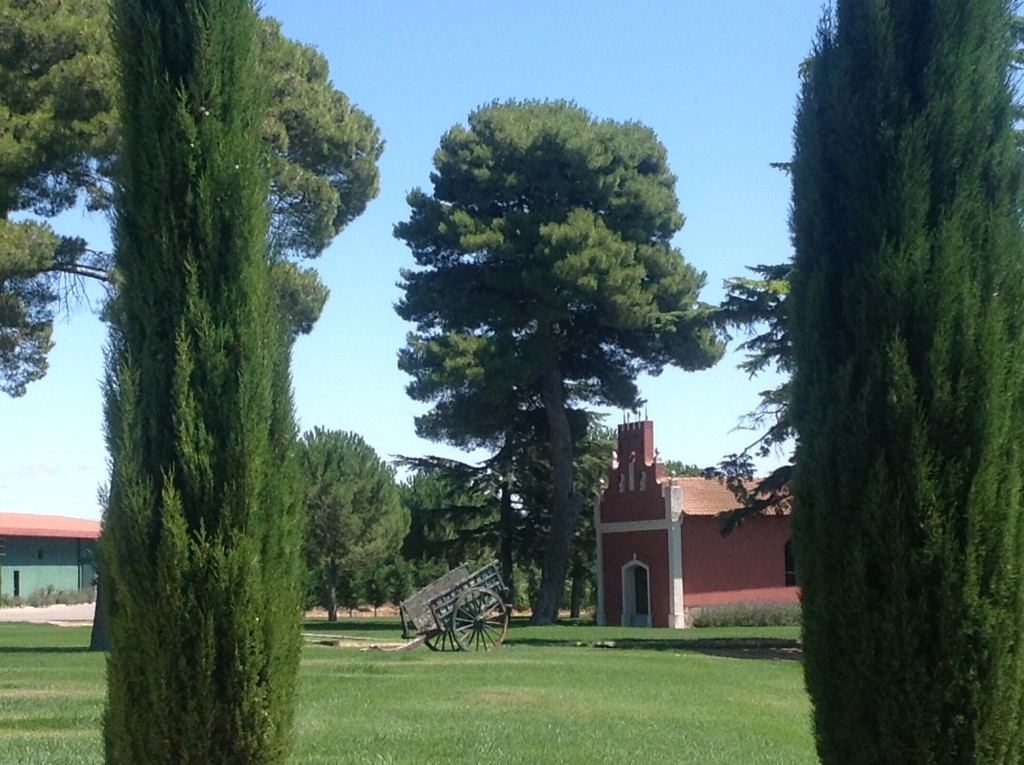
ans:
(480, 620)
(442, 641)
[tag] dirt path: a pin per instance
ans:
(82, 613)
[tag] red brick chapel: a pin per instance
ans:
(660, 550)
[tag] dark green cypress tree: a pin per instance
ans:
(202, 533)
(909, 376)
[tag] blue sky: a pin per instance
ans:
(717, 82)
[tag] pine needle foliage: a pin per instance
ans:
(909, 376)
(355, 519)
(202, 537)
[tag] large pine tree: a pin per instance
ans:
(909, 376)
(203, 530)
(546, 283)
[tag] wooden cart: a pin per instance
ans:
(460, 611)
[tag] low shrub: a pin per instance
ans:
(44, 596)
(747, 613)
(11, 601)
(74, 597)
(49, 596)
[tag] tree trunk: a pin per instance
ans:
(566, 504)
(98, 639)
(578, 574)
(507, 540)
(331, 594)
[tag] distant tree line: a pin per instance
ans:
(373, 540)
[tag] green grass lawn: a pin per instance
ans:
(538, 699)
(521, 633)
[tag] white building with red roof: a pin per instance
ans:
(39, 551)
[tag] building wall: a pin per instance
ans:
(649, 548)
(748, 564)
(37, 562)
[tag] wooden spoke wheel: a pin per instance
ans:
(442, 641)
(480, 620)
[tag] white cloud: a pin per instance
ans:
(48, 470)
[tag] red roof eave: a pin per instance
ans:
(53, 526)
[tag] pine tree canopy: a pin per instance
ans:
(547, 240)
(355, 519)
(59, 138)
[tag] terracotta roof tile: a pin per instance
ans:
(29, 525)
(705, 497)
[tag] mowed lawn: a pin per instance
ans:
(538, 699)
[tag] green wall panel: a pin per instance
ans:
(31, 563)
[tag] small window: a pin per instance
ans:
(40, 555)
(791, 578)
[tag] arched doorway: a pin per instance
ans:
(636, 595)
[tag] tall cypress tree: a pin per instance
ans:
(202, 533)
(909, 376)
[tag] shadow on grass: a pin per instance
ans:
(535, 642)
(767, 653)
(779, 650)
(354, 626)
(521, 633)
(43, 649)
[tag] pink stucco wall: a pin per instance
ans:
(748, 564)
(648, 547)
